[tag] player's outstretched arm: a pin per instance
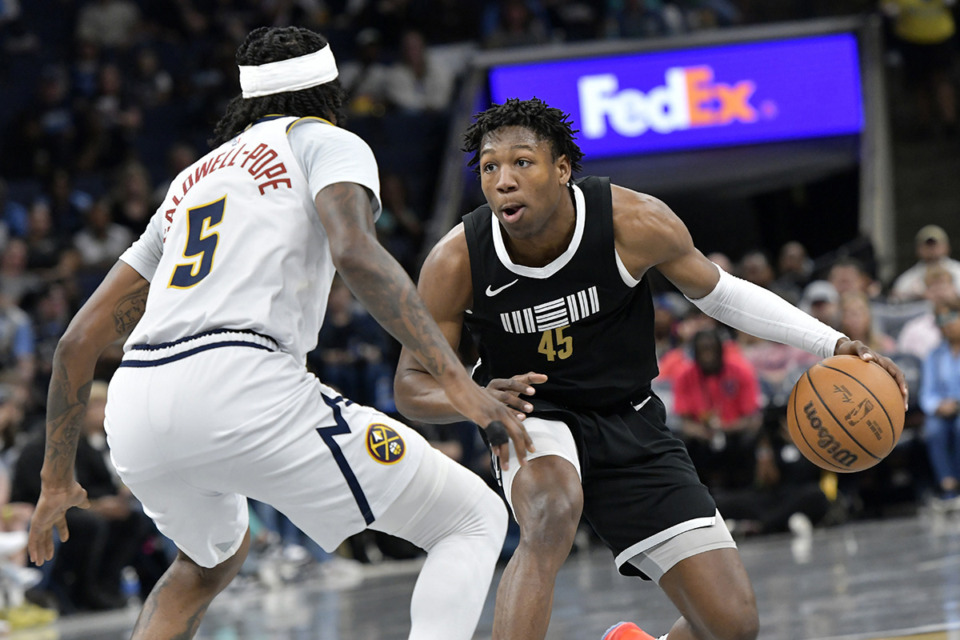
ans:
(110, 313)
(649, 234)
(388, 293)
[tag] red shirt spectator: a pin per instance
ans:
(730, 394)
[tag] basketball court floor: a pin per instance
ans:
(876, 580)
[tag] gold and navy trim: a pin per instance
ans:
(154, 355)
(299, 120)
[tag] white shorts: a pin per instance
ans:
(197, 426)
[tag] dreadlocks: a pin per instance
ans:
(547, 123)
(265, 45)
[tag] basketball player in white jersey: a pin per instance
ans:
(223, 295)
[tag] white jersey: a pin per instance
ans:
(238, 244)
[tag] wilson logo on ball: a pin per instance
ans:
(825, 441)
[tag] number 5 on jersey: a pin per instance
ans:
(201, 244)
(555, 345)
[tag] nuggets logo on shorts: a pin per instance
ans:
(384, 444)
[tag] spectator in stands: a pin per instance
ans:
(50, 315)
(151, 84)
(364, 77)
(399, 227)
(755, 267)
(856, 321)
(112, 24)
(940, 401)
(13, 215)
(848, 275)
(85, 71)
(921, 335)
(643, 18)
(924, 31)
(447, 21)
(352, 350)
(722, 260)
(785, 493)
(933, 247)
(14, 516)
(717, 399)
(575, 20)
(132, 196)
(68, 204)
(15, 280)
(668, 309)
(105, 538)
(45, 132)
(794, 271)
(778, 366)
(110, 125)
(821, 300)
(418, 83)
(515, 23)
(44, 246)
(101, 241)
(17, 352)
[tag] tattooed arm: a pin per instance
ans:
(388, 293)
(110, 313)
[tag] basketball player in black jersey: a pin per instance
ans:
(549, 278)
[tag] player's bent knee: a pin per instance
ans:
(550, 516)
(213, 579)
(739, 622)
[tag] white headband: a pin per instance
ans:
(292, 74)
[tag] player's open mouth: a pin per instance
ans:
(512, 212)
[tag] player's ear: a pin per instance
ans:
(565, 172)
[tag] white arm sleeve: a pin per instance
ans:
(144, 254)
(754, 310)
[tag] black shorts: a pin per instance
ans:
(638, 480)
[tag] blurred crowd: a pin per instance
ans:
(104, 101)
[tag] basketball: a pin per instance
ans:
(845, 414)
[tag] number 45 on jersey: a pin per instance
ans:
(554, 344)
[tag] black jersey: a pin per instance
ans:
(576, 319)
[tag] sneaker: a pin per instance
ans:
(626, 631)
(800, 525)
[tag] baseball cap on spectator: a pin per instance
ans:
(931, 233)
(818, 291)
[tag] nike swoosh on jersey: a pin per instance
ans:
(492, 292)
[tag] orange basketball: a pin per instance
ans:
(845, 414)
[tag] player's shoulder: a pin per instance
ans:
(636, 204)
(450, 254)
(318, 129)
(643, 216)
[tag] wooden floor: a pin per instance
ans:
(895, 578)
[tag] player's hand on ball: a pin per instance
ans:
(862, 351)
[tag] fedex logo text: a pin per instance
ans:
(689, 98)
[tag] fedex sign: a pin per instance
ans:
(716, 96)
(689, 98)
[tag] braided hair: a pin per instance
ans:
(272, 44)
(547, 123)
